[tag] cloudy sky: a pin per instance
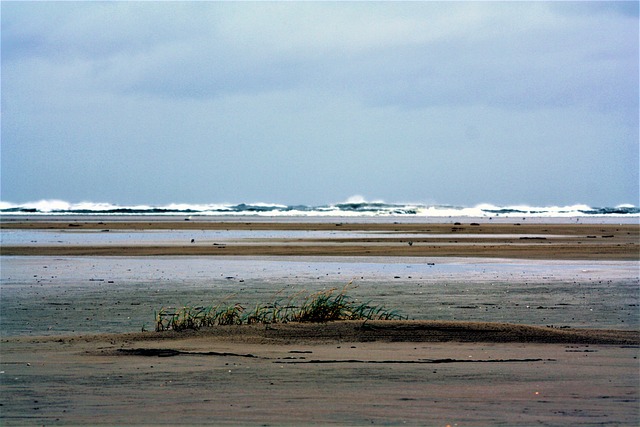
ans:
(311, 103)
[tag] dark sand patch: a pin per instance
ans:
(392, 331)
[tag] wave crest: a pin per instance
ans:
(353, 206)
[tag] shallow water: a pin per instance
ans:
(155, 237)
(207, 237)
(66, 295)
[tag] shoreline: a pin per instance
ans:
(299, 223)
(324, 219)
(491, 240)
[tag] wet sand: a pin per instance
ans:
(73, 295)
(529, 241)
(351, 373)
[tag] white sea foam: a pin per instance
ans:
(355, 206)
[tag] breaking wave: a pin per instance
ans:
(354, 206)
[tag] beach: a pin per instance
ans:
(504, 240)
(508, 323)
(320, 213)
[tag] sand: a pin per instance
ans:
(389, 373)
(346, 373)
(529, 241)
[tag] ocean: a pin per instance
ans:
(357, 208)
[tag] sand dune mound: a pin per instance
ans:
(393, 331)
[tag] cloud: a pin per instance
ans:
(627, 8)
(410, 56)
(281, 101)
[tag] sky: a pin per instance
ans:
(455, 103)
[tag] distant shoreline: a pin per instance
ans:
(453, 239)
(311, 219)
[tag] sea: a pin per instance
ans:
(349, 208)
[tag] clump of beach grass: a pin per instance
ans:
(323, 306)
(188, 317)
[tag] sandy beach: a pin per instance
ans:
(342, 374)
(388, 213)
(504, 240)
(537, 324)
